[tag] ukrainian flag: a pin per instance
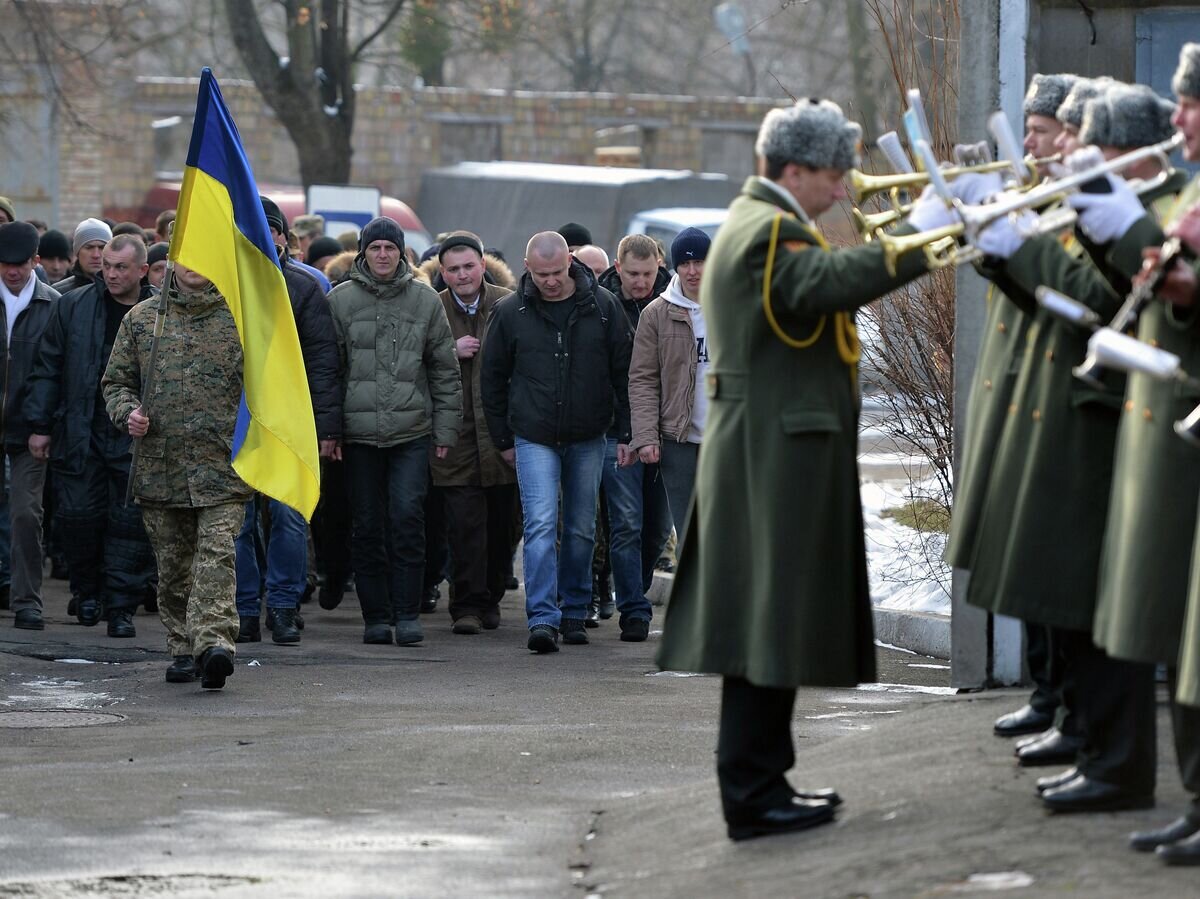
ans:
(221, 233)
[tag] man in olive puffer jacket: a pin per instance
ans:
(402, 391)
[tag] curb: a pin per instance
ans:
(919, 632)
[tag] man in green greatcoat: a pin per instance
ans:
(1145, 560)
(1047, 504)
(771, 589)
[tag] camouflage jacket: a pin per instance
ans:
(184, 459)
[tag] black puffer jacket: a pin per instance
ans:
(610, 280)
(318, 343)
(63, 388)
(556, 387)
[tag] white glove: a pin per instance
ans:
(1004, 236)
(974, 189)
(1083, 159)
(930, 211)
(1106, 217)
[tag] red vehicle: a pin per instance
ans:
(291, 202)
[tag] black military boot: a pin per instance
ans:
(249, 629)
(120, 624)
(182, 670)
(283, 627)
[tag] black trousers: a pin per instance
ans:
(754, 747)
(109, 556)
(1113, 701)
(437, 547)
(1046, 674)
(1185, 721)
(479, 519)
(331, 524)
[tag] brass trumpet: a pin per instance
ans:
(863, 186)
(940, 246)
(868, 223)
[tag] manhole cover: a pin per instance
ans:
(57, 718)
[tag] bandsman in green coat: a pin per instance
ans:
(771, 590)
(1043, 526)
(1141, 605)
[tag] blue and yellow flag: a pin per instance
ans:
(222, 233)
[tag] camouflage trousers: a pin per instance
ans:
(197, 579)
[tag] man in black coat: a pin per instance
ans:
(286, 553)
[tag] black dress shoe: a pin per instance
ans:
(29, 620)
(283, 627)
(635, 630)
(825, 794)
(429, 600)
(1149, 840)
(249, 629)
(1182, 852)
(182, 670)
(593, 615)
(72, 606)
(1086, 795)
(120, 624)
(216, 664)
(1054, 781)
(1054, 750)
(89, 611)
(1025, 720)
(795, 815)
(1035, 738)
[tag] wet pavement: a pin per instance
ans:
(468, 767)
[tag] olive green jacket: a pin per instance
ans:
(1144, 572)
(772, 578)
(184, 459)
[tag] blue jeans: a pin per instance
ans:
(623, 490)
(550, 573)
(286, 559)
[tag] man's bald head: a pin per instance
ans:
(545, 245)
(593, 257)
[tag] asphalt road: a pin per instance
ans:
(468, 767)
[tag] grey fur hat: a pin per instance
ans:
(1070, 111)
(1046, 93)
(814, 132)
(1186, 81)
(1129, 115)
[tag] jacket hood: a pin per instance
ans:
(360, 273)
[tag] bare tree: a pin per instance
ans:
(310, 88)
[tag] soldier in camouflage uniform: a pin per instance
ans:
(192, 502)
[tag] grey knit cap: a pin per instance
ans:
(814, 133)
(1070, 112)
(1129, 115)
(1186, 81)
(1046, 93)
(89, 230)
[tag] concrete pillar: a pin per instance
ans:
(984, 649)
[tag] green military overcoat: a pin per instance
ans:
(992, 384)
(1156, 480)
(1038, 547)
(772, 578)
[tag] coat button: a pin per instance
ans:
(1037, 414)
(1012, 408)
(1049, 355)
(987, 384)
(1154, 343)
(1147, 415)
(1002, 328)
(1129, 405)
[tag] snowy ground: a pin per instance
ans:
(906, 567)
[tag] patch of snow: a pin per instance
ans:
(908, 688)
(76, 661)
(905, 565)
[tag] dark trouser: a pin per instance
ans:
(754, 747)
(27, 475)
(387, 501)
(678, 470)
(1113, 702)
(656, 522)
(1185, 721)
(331, 524)
(1044, 668)
(437, 546)
(479, 519)
(109, 556)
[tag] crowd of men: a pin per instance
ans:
(460, 410)
(437, 384)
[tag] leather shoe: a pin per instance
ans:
(330, 595)
(1034, 738)
(1182, 852)
(429, 600)
(216, 664)
(283, 627)
(1025, 720)
(1053, 750)
(120, 624)
(1149, 840)
(1054, 781)
(797, 814)
(468, 624)
(1086, 795)
(635, 630)
(182, 670)
(249, 629)
(29, 620)
(574, 632)
(825, 794)
(88, 612)
(593, 615)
